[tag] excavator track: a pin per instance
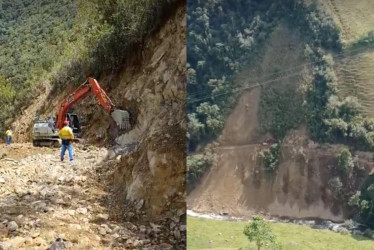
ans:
(46, 143)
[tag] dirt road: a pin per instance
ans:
(45, 203)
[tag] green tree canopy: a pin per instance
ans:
(345, 161)
(259, 231)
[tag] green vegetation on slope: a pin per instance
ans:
(229, 235)
(224, 36)
(33, 37)
(270, 157)
(281, 109)
(363, 201)
(197, 164)
(60, 41)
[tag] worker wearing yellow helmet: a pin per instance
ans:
(8, 137)
(67, 137)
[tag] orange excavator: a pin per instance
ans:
(46, 132)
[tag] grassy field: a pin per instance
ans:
(229, 235)
(356, 79)
(354, 74)
(354, 17)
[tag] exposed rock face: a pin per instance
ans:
(151, 156)
(155, 171)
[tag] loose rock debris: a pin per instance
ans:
(48, 204)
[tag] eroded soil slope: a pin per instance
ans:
(242, 126)
(237, 183)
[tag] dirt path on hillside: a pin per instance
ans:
(45, 203)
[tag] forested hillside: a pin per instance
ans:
(226, 37)
(34, 35)
(33, 39)
(219, 50)
(222, 36)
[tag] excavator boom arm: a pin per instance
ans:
(80, 93)
(100, 95)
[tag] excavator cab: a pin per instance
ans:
(74, 123)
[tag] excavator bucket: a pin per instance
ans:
(122, 118)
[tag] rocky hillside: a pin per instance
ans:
(152, 88)
(144, 168)
(153, 165)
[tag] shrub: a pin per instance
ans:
(124, 24)
(7, 95)
(281, 109)
(336, 186)
(363, 200)
(366, 41)
(345, 162)
(354, 200)
(197, 165)
(211, 115)
(270, 157)
(195, 128)
(259, 231)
